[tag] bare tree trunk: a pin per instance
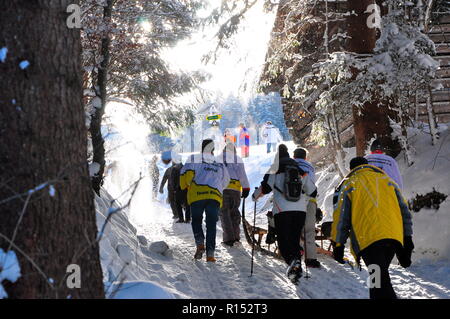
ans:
(98, 142)
(416, 108)
(432, 118)
(403, 118)
(371, 120)
(338, 159)
(42, 139)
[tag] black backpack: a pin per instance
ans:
(292, 189)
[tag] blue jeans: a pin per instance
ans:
(211, 207)
(273, 145)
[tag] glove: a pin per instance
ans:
(404, 253)
(245, 192)
(319, 215)
(161, 191)
(338, 254)
(326, 229)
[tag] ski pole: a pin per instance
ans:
(253, 239)
(306, 250)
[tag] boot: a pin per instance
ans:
(312, 263)
(211, 259)
(229, 243)
(294, 271)
(200, 250)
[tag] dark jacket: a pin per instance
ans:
(172, 177)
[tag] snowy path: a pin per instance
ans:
(229, 277)
(185, 277)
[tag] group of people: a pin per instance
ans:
(270, 135)
(368, 208)
(243, 141)
(215, 186)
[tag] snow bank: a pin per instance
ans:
(124, 254)
(430, 170)
(139, 290)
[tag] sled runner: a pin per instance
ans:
(255, 235)
(251, 232)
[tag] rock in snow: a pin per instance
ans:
(159, 247)
(125, 253)
(142, 240)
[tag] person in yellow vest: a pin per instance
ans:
(230, 215)
(205, 179)
(371, 210)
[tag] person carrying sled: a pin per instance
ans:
(289, 184)
(244, 140)
(310, 221)
(176, 195)
(380, 159)
(371, 211)
(154, 176)
(230, 215)
(271, 136)
(205, 179)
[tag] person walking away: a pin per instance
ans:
(244, 140)
(271, 136)
(173, 189)
(311, 208)
(380, 159)
(371, 211)
(154, 176)
(287, 181)
(229, 137)
(205, 179)
(180, 194)
(230, 215)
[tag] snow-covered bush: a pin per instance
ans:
(400, 67)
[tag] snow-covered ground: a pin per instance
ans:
(155, 270)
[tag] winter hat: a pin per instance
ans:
(282, 151)
(166, 157)
(356, 161)
(300, 153)
(376, 146)
(207, 146)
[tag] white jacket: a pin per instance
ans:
(271, 134)
(236, 170)
(204, 177)
(388, 165)
(275, 182)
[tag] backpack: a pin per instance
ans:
(292, 189)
